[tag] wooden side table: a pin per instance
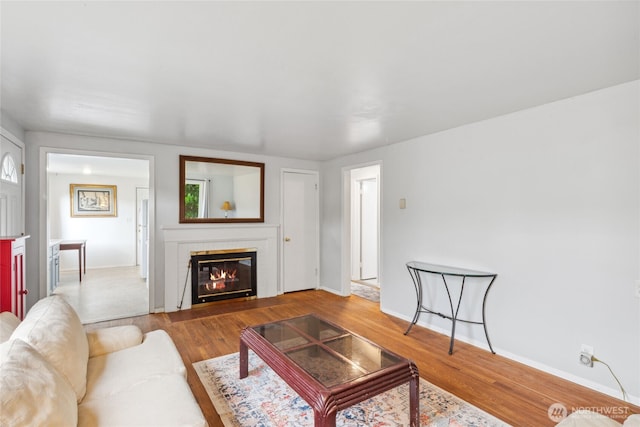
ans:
(81, 247)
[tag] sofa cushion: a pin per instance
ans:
(8, 323)
(112, 373)
(158, 401)
(53, 328)
(585, 418)
(632, 421)
(32, 391)
(108, 340)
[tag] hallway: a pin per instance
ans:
(366, 289)
(105, 293)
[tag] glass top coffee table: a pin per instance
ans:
(329, 367)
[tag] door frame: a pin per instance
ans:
(281, 228)
(346, 262)
(44, 212)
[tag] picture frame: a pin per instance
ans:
(93, 200)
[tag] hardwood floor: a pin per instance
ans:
(513, 392)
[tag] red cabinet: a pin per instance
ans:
(13, 289)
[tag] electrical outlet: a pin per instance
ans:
(637, 293)
(586, 359)
(586, 355)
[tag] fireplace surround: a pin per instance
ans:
(223, 274)
(181, 240)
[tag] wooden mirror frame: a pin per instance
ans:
(183, 180)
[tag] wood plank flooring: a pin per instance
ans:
(513, 392)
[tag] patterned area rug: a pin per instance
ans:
(263, 399)
(371, 293)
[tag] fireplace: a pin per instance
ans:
(223, 274)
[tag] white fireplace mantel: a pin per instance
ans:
(180, 241)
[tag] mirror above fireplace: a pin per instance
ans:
(220, 190)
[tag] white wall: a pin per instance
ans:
(111, 241)
(246, 195)
(549, 199)
(163, 193)
(7, 123)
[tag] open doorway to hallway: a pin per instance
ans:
(365, 230)
(97, 199)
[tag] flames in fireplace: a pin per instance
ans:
(218, 275)
(219, 278)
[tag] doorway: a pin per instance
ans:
(114, 286)
(365, 231)
(300, 230)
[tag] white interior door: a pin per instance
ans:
(142, 231)
(368, 229)
(300, 225)
(11, 184)
(365, 222)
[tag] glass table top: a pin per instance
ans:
(328, 353)
(445, 269)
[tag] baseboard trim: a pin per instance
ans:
(525, 361)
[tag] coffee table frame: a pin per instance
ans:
(327, 401)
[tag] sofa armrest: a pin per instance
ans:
(8, 323)
(108, 340)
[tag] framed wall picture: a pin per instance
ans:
(93, 200)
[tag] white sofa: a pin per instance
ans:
(54, 373)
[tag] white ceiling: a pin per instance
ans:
(313, 80)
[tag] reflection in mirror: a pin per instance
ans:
(221, 190)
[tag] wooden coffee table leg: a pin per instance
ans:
(414, 401)
(244, 360)
(323, 419)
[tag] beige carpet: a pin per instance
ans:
(105, 293)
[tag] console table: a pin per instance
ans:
(81, 247)
(417, 268)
